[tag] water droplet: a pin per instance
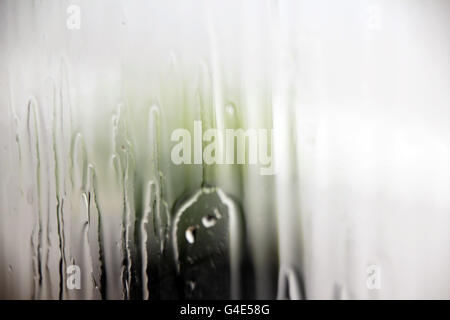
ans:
(191, 285)
(190, 234)
(211, 219)
(229, 108)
